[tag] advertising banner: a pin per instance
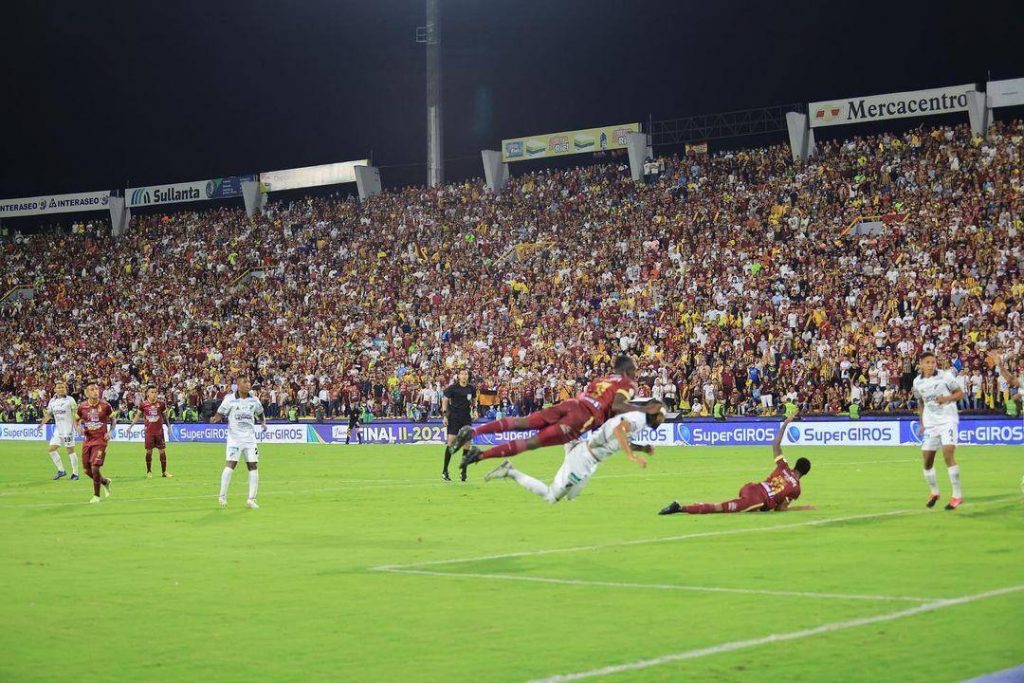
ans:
(1008, 93)
(195, 191)
(311, 176)
(739, 432)
(568, 142)
(56, 203)
(891, 106)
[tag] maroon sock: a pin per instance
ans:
(505, 450)
(553, 435)
(149, 461)
(163, 463)
(96, 479)
(699, 508)
(505, 424)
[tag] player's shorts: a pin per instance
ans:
(237, 451)
(572, 477)
(155, 440)
(455, 425)
(94, 454)
(64, 440)
(572, 414)
(940, 435)
(751, 497)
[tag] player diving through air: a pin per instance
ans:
(776, 492)
(563, 422)
(582, 459)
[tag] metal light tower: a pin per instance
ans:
(431, 35)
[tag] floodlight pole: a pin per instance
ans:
(431, 36)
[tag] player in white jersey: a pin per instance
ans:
(242, 410)
(62, 409)
(582, 459)
(937, 393)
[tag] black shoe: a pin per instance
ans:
(932, 499)
(471, 456)
(671, 509)
(462, 474)
(445, 477)
(464, 437)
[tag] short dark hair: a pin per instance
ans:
(926, 354)
(624, 363)
(150, 386)
(803, 466)
(91, 382)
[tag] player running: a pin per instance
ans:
(581, 460)
(776, 492)
(62, 408)
(937, 393)
(154, 411)
(95, 421)
(563, 422)
(241, 409)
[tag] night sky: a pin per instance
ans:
(98, 95)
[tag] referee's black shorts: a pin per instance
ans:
(455, 424)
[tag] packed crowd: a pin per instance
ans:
(734, 279)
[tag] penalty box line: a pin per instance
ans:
(664, 586)
(733, 646)
(669, 539)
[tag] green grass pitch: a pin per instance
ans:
(347, 571)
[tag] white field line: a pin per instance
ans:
(664, 586)
(644, 541)
(775, 637)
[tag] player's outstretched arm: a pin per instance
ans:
(777, 442)
(621, 433)
(794, 508)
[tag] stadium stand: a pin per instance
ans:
(739, 277)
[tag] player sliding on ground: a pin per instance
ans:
(154, 412)
(937, 392)
(776, 492)
(581, 460)
(563, 422)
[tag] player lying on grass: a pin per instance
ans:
(776, 492)
(563, 422)
(582, 459)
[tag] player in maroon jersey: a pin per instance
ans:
(563, 422)
(776, 492)
(95, 421)
(154, 412)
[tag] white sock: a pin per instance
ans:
(954, 479)
(933, 482)
(73, 457)
(530, 484)
(225, 481)
(254, 483)
(55, 456)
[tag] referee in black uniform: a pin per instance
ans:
(457, 407)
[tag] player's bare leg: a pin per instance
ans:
(57, 462)
(98, 480)
(225, 481)
(254, 485)
(149, 463)
(929, 476)
(163, 465)
(949, 454)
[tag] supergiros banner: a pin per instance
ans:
(568, 142)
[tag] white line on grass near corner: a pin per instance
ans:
(664, 586)
(775, 638)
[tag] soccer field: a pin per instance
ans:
(363, 566)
